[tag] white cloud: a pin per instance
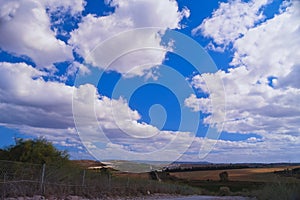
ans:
(128, 15)
(37, 107)
(25, 30)
(75, 68)
(32, 101)
(269, 148)
(255, 103)
(40, 108)
(215, 104)
(271, 48)
(231, 21)
(112, 129)
(198, 104)
(74, 7)
(251, 106)
(145, 13)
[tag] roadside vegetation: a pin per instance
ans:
(36, 167)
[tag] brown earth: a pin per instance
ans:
(248, 174)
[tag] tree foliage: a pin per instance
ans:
(223, 176)
(38, 151)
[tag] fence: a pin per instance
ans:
(25, 179)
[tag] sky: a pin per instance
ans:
(166, 80)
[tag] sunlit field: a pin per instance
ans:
(252, 174)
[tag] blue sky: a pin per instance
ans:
(153, 80)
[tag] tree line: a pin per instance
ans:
(37, 151)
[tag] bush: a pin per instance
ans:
(224, 191)
(37, 151)
(223, 176)
(279, 191)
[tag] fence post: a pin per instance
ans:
(42, 178)
(109, 181)
(83, 178)
(127, 183)
(4, 185)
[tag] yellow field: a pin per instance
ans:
(249, 174)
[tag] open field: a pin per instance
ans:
(248, 174)
(261, 183)
(78, 178)
(247, 180)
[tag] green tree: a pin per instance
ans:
(3, 153)
(223, 176)
(37, 151)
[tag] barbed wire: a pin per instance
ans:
(29, 179)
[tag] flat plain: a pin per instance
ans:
(248, 174)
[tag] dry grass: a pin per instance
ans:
(132, 175)
(249, 174)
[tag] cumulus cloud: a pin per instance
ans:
(262, 91)
(271, 48)
(267, 149)
(128, 15)
(25, 30)
(74, 7)
(251, 106)
(45, 107)
(38, 107)
(215, 104)
(112, 130)
(230, 21)
(50, 103)
(31, 100)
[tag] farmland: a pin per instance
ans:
(259, 180)
(249, 174)
(264, 181)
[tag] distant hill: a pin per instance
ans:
(147, 166)
(87, 163)
(191, 162)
